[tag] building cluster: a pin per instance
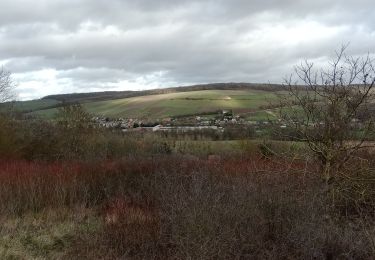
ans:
(107, 122)
(214, 122)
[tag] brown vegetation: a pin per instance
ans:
(178, 207)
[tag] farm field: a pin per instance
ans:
(34, 105)
(247, 102)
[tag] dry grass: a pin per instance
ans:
(48, 234)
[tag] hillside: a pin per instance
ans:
(243, 98)
(109, 95)
(247, 103)
(34, 105)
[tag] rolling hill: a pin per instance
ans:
(108, 95)
(243, 98)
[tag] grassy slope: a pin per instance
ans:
(176, 104)
(35, 104)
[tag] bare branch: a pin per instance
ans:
(331, 109)
(6, 86)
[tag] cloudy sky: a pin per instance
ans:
(62, 46)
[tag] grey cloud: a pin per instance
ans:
(99, 44)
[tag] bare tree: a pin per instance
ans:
(6, 86)
(330, 108)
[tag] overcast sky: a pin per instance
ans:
(62, 46)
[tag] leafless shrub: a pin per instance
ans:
(6, 86)
(326, 108)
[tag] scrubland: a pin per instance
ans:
(79, 193)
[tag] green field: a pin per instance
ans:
(36, 104)
(33, 105)
(246, 102)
